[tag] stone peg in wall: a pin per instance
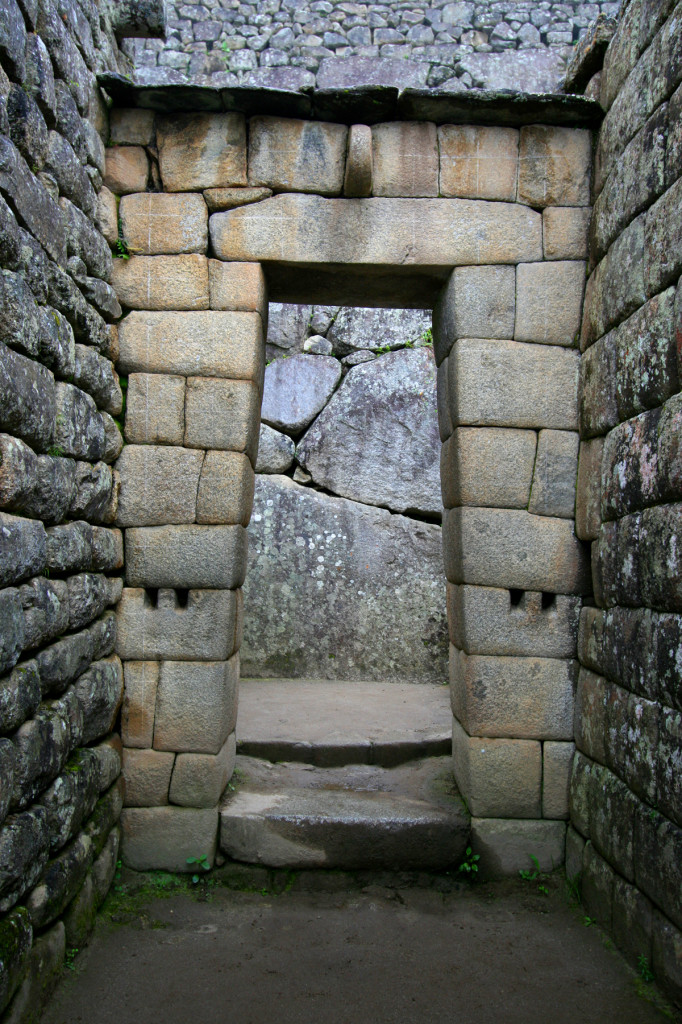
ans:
(357, 181)
(141, 19)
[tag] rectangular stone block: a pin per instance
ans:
(162, 282)
(491, 620)
(477, 302)
(163, 838)
(212, 344)
(404, 159)
(506, 846)
(158, 485)
(554, 476)
(666, 955)
(370, 232)
(200, 779)
(557, 759)
(658, 855)
(596, 888)
(554, 166)
(514, 698)
(222, 414)
(549, 302)
(512, 384)
(127, 169)
(632, 740)
(668, 790)
(498, 778)
(226, 489)
(564, 232)
(575, 846)
(591, 703)
(131, 127)
(632, 922)
(617, 286)
(153, 223)
(478, 162)
(211, 557)
(139, 703)
(155, 409)
(198, 151)
(196, 705)
(147, 776)
(444, 421)
(588, 489)
(297, 156)
(638, 561)
(507, 548)
(487, 466)
(201, 629)
(613, 822)
(239, 286)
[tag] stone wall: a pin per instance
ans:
(626, 795)
(293, 44)
(61, 683)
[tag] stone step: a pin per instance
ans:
(330, 723)
(359, 816)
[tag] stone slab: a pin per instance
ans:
(492, 620)
(557, 759)
(147, 775)
(139, 703)
(202, 628)
(212, 344)
(476, 302)
(354, 817)
(211, 557)
(509, 548)
(513, 384)
(564, 232)
(153, 223)
(335, 571)
(329, 724)
(378, 232)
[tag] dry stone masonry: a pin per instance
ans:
(293, 44)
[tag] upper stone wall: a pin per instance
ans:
(303, 44)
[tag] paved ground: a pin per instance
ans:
(504, 953)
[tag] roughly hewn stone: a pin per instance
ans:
(155, 223)
(554, 166)
(22, 548)
(45, 968)
(497, 777)
(487, 466)
(127, 169)
(202, 629)
(186, 556)
(512, 384)
(382, 567)
(12, 630)
(79, 428)
(549, 302)
(387, 409)
(213, 344)
(520, 698)
(239, 286)
(404, 159)
(370, 232)
(46, 610)
(554, 475)
(19, 695)
(60, 881)
(162, 282)
(199, 779)
(99, 692)
(297, 156)
(508, 548)
(275, 451)
(297, 389)
(28, 403)
(225, 492)
(71, 797)
(155, 409)
(358, 328)
(16, 936)
(158, 485)
(198, 151)
(222, 414)
(196, 705)
(478, 162)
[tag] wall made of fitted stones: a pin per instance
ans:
(60, 682)
(626, 791)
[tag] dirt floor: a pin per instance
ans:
(355, 950)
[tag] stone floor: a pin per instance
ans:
(505, 953)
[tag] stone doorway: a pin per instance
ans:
(505, 274)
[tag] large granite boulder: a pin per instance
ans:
(377, 440)
(296, 389)
(357, 327)
(338, 590)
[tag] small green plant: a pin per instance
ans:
(383, 350)
(121, 250)
(200, 864)
(55, 450)
(69, 959)
(532, 873)
(469, 865)
(645, 972)
(543, 889)
(589, 921)
(225, 47)
(427, 336)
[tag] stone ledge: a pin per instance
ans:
(366, 104)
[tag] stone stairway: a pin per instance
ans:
(343, 775)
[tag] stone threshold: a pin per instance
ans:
(364, 104)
